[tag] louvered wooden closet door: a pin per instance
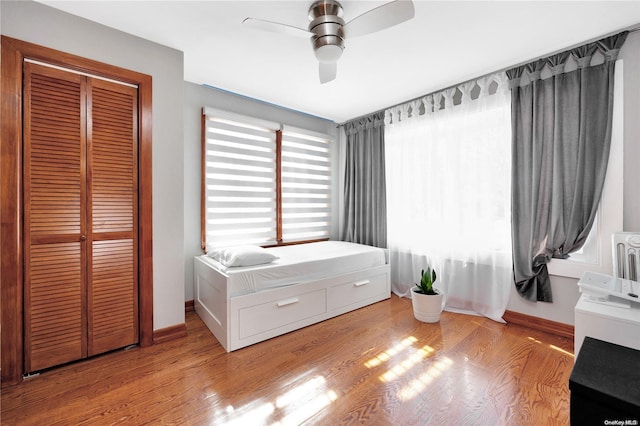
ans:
(55, 218)
(113, 293)
(80, 205)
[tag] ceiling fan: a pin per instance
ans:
(328, 31)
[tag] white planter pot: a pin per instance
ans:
(427, 307)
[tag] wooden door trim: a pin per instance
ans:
(11, 263)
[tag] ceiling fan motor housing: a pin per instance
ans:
(326, 25)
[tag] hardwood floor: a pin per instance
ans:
(374, 366)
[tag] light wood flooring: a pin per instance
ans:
(374, 366)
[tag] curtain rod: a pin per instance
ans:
(631, 29)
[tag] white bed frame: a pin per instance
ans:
(247, 319)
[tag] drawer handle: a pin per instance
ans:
(361, 283)
(288, 302)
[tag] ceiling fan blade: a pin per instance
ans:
(276, 27)
(385, 16)
(328, 71)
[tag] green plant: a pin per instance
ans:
(426, 281)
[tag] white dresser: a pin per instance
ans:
(609, 323)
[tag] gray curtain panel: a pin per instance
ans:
(561, 133)
(365, 201)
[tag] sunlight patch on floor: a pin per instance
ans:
(418, 385)
(299, 392)
(415, 356)
(554, 347)
(304, 401)
(292, 408)
(386, 355)
(404, 366)
(254, 416)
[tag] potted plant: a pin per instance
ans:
(426, 300)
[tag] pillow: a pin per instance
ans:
(242, 255)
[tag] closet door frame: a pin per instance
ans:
(11, 204)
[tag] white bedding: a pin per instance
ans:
(299, 264)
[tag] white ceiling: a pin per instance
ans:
(446, 43)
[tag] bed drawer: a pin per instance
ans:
(280, 312)
(356, 291)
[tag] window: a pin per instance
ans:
(262, 184)
(448, 191)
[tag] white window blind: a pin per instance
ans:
(306, 185)
(239, 180)
(263, 185)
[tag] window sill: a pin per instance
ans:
(573, 269)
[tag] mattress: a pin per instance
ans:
(298, 264)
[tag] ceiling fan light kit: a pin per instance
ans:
(327, 30)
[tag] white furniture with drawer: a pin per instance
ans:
(239, 320)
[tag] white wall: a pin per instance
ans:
(39, 24)
(565, 290)
(196, 97)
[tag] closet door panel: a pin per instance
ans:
(56, 320)
(54, 230)
(113, 317)
(114, 160)
(113, 183)
(54, 153)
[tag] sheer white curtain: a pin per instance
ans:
(448, 169)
